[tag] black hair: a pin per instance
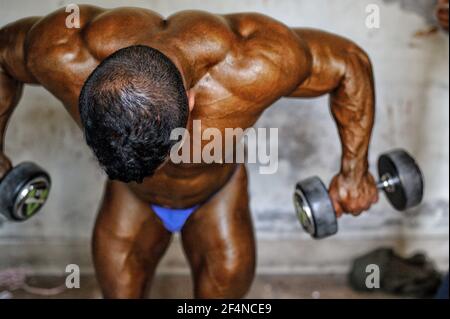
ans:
(128, 106)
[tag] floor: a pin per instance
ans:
(179, 286)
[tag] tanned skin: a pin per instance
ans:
(234, 67)
(442, 14)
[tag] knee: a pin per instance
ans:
(235, 279)
(226, 280)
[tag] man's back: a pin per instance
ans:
(238, 64)
(243, 55)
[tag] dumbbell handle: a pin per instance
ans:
(387, 183)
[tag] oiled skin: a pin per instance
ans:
(442, 14)
(237, 65)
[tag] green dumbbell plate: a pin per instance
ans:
(23, 191)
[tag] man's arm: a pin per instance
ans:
(13, 74)
(442, 14)
(10, 92)
(343, 70)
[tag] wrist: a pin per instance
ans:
(354, 168)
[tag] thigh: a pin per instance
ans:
(219, 242)
(128, 242)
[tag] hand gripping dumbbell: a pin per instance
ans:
(23, 191)
(400, 179)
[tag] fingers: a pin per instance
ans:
(335, 200)
(359, 210)
(375, 198)
(357, 206)
(353, 200)
(337, 208)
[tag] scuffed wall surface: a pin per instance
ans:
(412, 112)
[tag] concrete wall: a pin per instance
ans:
(412, 78)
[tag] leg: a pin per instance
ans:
(129, 240)
(219, 243)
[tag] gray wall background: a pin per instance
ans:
(412, 112)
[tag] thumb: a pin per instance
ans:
(335, 201)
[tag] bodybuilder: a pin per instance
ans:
(128, 77)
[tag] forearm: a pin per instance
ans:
(343, 70)
(353, 108)
(10, 92)
(13, 71)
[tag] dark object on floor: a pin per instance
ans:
(384, 270)
(443, 289)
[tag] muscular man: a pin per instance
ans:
(128, 77)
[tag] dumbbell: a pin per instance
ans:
(23, 191)
(400, 179)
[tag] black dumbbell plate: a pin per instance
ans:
(23, 191)
(314, 208)
(408, 191)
